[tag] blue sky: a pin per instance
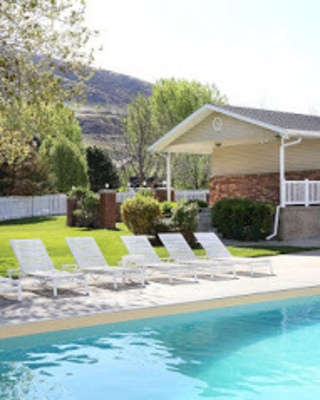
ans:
(260, 53)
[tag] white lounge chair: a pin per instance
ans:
(180, 251)
(90, 260)
(11, 285)
(216, 250)
(36, 263)
(140, 245)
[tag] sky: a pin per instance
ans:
(260, 53)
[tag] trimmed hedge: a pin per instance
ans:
(242, 219)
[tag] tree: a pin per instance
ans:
(139, 133)
(68, 164)
(101, 169)
(44, 55)
(150, 118)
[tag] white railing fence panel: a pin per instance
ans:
(15, 207)
(302, 192)
(191, 195)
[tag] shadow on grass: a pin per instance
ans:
(87, 229)
(27, 221)
(278, 249)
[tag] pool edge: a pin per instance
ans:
(36, 327)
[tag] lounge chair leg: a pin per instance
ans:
(212, 274)
(271, 269)
(55, 288)
(115, 284)
(195, 275)
(19, 292)
(170, 277)
(251, 268)
(235, 274)
(86, 289)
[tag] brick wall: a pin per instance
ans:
(261, 187)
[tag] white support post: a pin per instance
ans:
(306, 192)
(282, 175)
(168, 177)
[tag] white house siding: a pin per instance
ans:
(264, 158)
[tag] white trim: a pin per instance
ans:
(180, 129)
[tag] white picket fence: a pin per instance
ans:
(302, 192)
(178, 195)
(15, 207)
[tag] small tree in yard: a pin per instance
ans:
(101, 169)
(185, 219)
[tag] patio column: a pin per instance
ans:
(282, 175)
(168, 177)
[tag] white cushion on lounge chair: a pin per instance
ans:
(10, 285)
(35, 261)
(90, 260)
(216, 250)
(180, 251)
(140, 245)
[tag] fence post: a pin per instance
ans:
(306, 192)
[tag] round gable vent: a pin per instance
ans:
(217, 123)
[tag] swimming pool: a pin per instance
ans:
(264, 351)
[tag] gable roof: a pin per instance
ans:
(281, 119)
(280, 123)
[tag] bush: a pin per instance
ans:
(185, 218)
(145, 192)
(242, 219)
(200, 203)
(167, 207)
(140, 214)
(87, 208)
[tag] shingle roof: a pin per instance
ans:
(280, 119)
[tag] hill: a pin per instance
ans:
(108, 94)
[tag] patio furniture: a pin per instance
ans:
(90, 260)
(216, 250)
(36, 263)
(180, 251)
(11, 285)
(140, 245)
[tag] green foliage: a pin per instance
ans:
(200, 203)
(185, 218)
(87, 209)
(242, 219)
(167, 207)
(69, 165)
(145, 192)
(101, 169)
(56, 31)
(140, 214)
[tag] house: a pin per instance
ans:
(259, 154)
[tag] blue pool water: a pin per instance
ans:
(265, 351)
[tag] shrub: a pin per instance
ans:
(200, 203)
(140, 214)
(167, 207)
(185, 218)
(145, 192)
(87, 208)
(242, 219)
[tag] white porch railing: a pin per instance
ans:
(302, 192)
(15, 207)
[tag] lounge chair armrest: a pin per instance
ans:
(203, 257)
(14, 272)
(70, 267)
(166, 259)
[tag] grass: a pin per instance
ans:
(53, 231)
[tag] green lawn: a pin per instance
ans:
(53, 231)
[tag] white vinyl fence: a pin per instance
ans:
(15, 207)
(302, 192)
(178, 195)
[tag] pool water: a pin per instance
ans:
(265, 351)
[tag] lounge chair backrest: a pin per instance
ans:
(140, 245)
(177, 246)
(212, 245)
(86, 252)
(32, 255)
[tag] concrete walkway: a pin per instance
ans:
(298, 271)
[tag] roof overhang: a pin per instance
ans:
(169, 143)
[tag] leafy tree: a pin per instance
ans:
(101, 169)
(139, 133)
(68, 164)
(33, 35)
(150, 118)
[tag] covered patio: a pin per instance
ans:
(259, 154)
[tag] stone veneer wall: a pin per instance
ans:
(261, 187)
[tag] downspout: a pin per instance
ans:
(282, 184)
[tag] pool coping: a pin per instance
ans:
(80, 321)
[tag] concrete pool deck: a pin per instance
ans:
(296, 275)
